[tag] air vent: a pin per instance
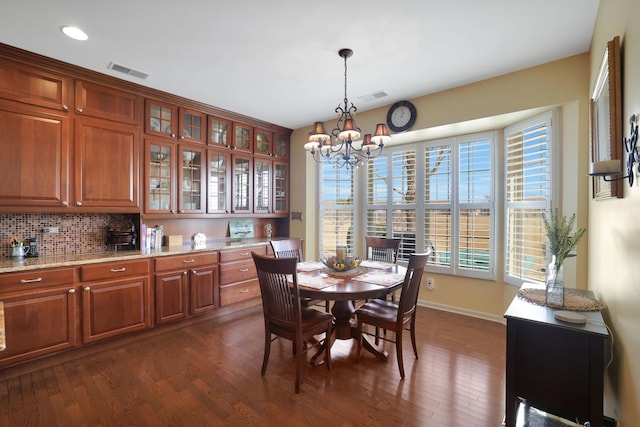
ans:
(127, 70)
(373, 96)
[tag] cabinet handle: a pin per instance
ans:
(72, 291)
(79, 110)
(244, 270)
(87, 288)
(244, 254)
(78, 203)
(244, 291)
(23, 281)
(65, 203)
(65, 107)
(189, 261)
(118, 270)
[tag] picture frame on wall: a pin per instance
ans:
(606, 120)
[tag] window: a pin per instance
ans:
(527, 198)
(337, 209)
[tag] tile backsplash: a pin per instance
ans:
(77, 233)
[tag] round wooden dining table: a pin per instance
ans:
(343, 290)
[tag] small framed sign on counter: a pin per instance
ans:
(241, 228)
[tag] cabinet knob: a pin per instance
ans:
(78, 203)
(184, 273)
(181, 136)
(65, 203)
(65, 107)
(72, 291)
(79, 110)
(173, 135)
(87, 288)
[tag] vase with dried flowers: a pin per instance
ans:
(562, 241)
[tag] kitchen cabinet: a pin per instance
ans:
(40, 313)
(262, 177)
(263, 143)
(242, 137)
(238, 275)
(191, 175)
(185, 285)
(168, 120)
(219, 177)
(242, 184)
(104, 102)
(116, 299)
(107, 165)
(281, 187)
(281, 143)
(219, 132)
(34, 165)
(160, 176)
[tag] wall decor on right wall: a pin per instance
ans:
(606, 125)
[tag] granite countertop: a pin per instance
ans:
(13, 265)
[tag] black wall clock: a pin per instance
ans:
(401, 116)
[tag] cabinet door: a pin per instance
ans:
(242, 184)
(107, 156)
(161, 119)
(263, 142)
(31, 85)
(242, 137)
(34, 164)
(171, 296)
(281, 187)
(39, 322)
(281, 145)
(190, 180)
(262, 191)
(192, 126)
(219, 177)
(219, 132)
(204, 289)
(159, 176)
(115, 307)
(107, 103)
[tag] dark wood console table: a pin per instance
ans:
(555, 366)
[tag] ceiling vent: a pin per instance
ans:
(127, 70)
(373, 96)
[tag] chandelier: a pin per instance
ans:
(338, 147)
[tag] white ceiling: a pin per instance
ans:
(277, 61)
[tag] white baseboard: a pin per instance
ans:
(462, 311)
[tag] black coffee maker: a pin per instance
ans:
(33, 248)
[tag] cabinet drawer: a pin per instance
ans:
(240, 254)
(230, 294)
(237, 272)
(113, 270)
(38, 278)
(185, 261)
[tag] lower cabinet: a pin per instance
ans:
(185, 285)
(238, 276)
(116, 299)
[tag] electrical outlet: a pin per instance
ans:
(430, 283)
(50, 230)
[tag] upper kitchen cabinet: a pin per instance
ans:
(191, 179)
(107, 103)
(31, 85)
(167, 120)
(242, 137)
(107, 165)
(281, 143)
(263, 142)
(219, 132)
(34, 164)
(219, 178)
(159, 176)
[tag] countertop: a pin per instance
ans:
(13, 265)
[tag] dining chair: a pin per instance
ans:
(390, 316)
(284, 316)
(382, 249)
(292, 248)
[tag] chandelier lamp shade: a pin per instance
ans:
(339, 147)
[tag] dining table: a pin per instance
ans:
(371, 279)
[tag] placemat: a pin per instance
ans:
(376, 264)
(315, 282)
(380, 278)
(572, 300)
(310, 265)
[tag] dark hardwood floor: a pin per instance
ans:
(208, 374)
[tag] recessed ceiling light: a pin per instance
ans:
(75, 33)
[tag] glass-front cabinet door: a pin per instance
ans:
(262, 189)
(281, 146)
(242, 184)
(242, 137)
(281, 187)
(190, 180)
(219, 171)
(219, 132)
(159, 176)
(160, 118)
(192, 126)
(262, 144)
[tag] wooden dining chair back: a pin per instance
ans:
(292, 248)
(390, 316)
(382, 249)
(284, 316)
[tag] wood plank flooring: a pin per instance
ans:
(208, 374)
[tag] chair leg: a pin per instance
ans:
(359, 338)
(413, 335)
(300, 356)
(267, 350)
(399, 352)
(327, 348)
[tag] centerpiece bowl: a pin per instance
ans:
(349, 263)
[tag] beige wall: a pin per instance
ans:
(562, 83)
(614, 226)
